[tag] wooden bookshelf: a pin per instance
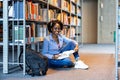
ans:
(27, 23)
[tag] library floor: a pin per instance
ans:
(99, 57)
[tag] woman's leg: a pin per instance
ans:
(66, 62)
(70, 46)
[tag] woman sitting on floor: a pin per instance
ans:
(55, 44)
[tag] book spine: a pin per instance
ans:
(18, 9)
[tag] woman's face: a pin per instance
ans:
(56, 29)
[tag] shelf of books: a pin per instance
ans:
(25, 23)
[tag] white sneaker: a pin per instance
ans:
(80, 65)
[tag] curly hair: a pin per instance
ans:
(52, 23)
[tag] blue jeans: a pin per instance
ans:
(66, 62)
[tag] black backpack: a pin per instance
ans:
(36, 63)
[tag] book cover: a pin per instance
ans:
(65, 54)
(28, 33)
(18, 33)
(18, 9)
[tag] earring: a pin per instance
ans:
(51, 24)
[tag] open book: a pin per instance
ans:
(65, 54)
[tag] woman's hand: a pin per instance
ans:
(56, 56)
(76, 48)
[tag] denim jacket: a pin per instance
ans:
(50, 46)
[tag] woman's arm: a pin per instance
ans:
(67, 40)
(45, 49)
(76, 48)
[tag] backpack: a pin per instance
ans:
(36, 63)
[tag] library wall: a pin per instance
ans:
(106, 21)
(89, 21)
(98, 21)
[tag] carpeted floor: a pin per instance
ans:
(101, 67)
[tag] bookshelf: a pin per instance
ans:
(25, 22)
